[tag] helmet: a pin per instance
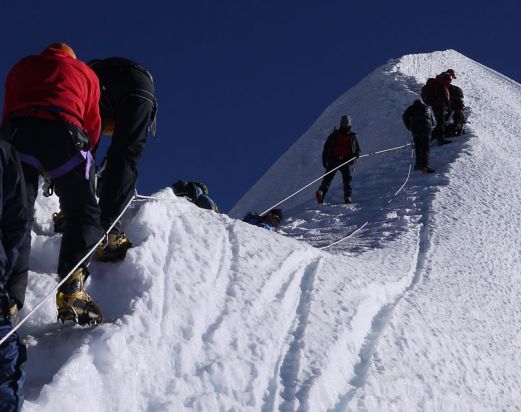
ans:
(64, 48)
(451, 73)
(345, 121)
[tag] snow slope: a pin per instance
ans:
(416, 311)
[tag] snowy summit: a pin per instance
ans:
(417, 308)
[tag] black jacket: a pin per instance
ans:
(456, 98)
(14, 219)
(120, 78)
(419, 118)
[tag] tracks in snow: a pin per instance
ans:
(384, 316)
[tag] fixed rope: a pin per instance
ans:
(16, 327)
(379, 210)
(141, 197)
(331, 171)
(145, 198)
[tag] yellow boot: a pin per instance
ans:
(114, 249)
(74, 303)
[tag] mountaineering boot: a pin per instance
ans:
(74, 303)
(424, 169)
(320, 196)
(58, 219)
(114, 249)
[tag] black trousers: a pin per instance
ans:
(132, 118)
(440, 113)
(344, 170)
(50, 142)
(422, 145)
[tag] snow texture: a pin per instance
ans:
(418, 310)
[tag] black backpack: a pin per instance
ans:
(418, 117)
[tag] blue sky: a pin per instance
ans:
(239, 81)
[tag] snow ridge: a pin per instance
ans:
(418, 311)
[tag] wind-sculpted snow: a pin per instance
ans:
(417, 311)
(208, 313)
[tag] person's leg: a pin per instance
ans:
(17, 283)
(121, 171)
(437, 133)
(82, 229)
(81, 233)
(346, 178)
(459, 121)
(12, 375)
(420, 148)
(326, 181)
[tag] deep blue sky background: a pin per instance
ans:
(238, 82)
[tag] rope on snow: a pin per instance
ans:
(368, 220)
(141, 197)
(331, 171)
(16, 327)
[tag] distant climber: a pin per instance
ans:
(420, 120)
(341, 146)
(456, 109)
(195, 192)
(270, 220)
(51, 109)
(436, 94)
(128, 110)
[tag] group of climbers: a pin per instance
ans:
(438, 114)
(55, 109)
(429, 118)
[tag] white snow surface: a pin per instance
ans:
(418, 310)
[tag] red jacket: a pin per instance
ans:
(54, 79)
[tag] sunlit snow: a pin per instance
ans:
(418, 310)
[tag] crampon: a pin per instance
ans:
(75, 304)
(114, 249)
